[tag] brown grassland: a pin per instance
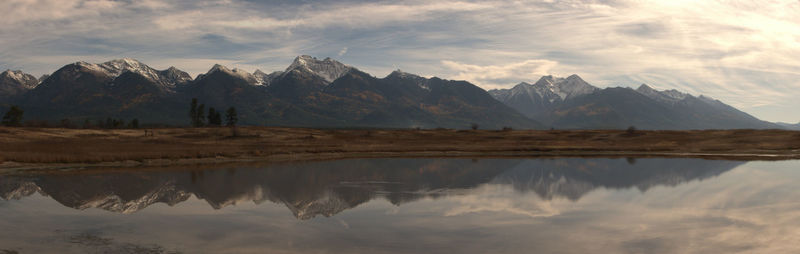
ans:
(41, 147)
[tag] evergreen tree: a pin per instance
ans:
(201, 118)
(193, 112)
(65, 123)
(211, 112)
(231, 117)
(13, 117)
(135, 123)
(118, 123)
(214, 118)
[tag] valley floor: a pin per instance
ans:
(50, 148)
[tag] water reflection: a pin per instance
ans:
(328, 188)
(412, 206)
(573, 178)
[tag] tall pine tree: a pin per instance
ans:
(193, 113)
(214, 117)
(231, 117)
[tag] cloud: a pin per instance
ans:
(490, 75)
(499, 199)
(342, 52)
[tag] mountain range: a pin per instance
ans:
(572, 103)
(309, 93)
(325, 93)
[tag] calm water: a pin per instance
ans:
(413, 206)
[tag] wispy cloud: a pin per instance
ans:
(494, 75)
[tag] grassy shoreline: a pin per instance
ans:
(52, 147)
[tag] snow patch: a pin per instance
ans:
(669, 96)
(328, 69)
(21, 78)
(564, 88)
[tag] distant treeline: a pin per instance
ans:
(197, 116)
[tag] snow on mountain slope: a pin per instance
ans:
(167, 78)
(328, 69)
(118, 66)
(668, 96)
(19, 78)
(566, 88)
(264, 79)
(420, 81)
(546, 92)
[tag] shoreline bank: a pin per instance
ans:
(39, 148)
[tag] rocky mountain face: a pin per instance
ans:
(328, 69)
(327, 188)
(15, 83)
(571, 103)
(309, 93)
(538, 100)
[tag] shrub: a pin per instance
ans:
(13, 117)
(631, 130)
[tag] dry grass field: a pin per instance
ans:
(71, 146)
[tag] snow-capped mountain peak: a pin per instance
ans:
(253, 79)
(565, 88)
(173, 75)
(547, 92)
(328, 69)
(218, 67)
(118, 66)
(21, 78)
(419, 80)
(647, 90)
(670, 96)
(167, 78)
(405, 75)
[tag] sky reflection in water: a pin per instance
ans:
(412, 205)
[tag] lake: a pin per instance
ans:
(569, 205)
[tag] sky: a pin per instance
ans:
(744, 53)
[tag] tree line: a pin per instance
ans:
(198, 117)
(197, 113)
(14, 116)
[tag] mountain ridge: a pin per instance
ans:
(589, 107)
(327, 93)
(309, 93)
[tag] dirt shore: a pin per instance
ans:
(57, 148)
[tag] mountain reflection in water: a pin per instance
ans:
(330, 187)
